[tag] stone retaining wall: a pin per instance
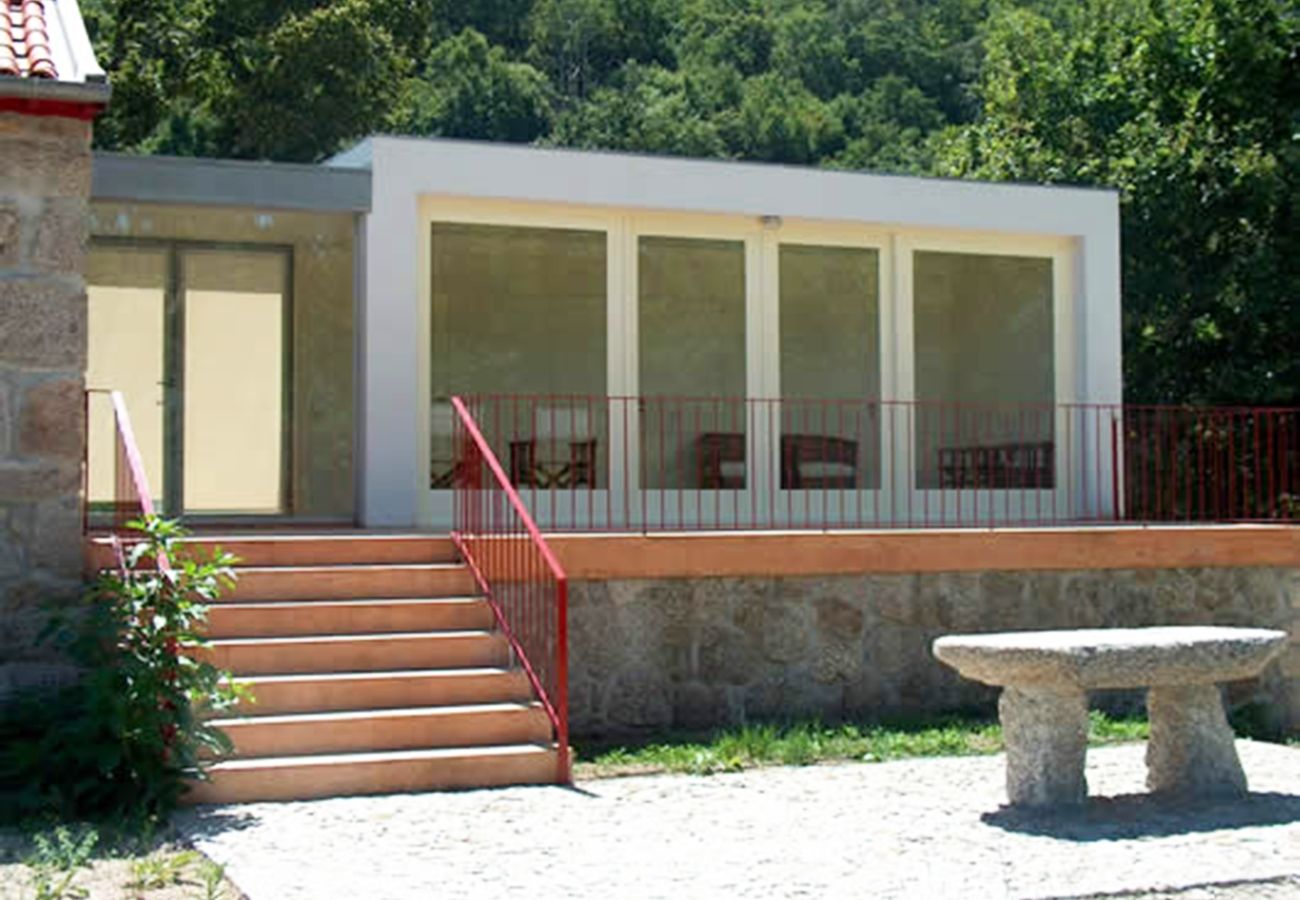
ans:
(44, 186)
(698, 652)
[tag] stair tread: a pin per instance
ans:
(352, 638)
(390, 674)
(347, 601)
(312, 537)
(351, 567)
(355, 715)
(372, 756)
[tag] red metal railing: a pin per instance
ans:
(131, 499)
(516, 570)
(593, 463)
(1211, 464)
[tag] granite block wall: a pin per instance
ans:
(44, 186)
(700, 652)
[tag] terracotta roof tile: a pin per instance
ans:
(25, 40)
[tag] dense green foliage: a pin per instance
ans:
(1191, 108)
(119, 744)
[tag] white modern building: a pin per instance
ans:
(650, 342)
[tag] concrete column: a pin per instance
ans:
(44, 189)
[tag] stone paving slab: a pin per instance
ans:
(917, 828)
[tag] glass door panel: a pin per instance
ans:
(694, 422)
(126, 290)
(233, 448)
(519, 322)
(985, 426)
(831, 418)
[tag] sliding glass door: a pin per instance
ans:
(988, 440)
(519, 324)
(832, 421)
(694, 438)
(196, 339)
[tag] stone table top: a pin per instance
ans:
(1112, 657)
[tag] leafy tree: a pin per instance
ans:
(809, 46)
(469, 89)
(503, 22)
(1190, 108)
(780, 120)
(647, 108)
(890, 124)
(316, 80)
(576, 42)
(735, 33)
(154, 53)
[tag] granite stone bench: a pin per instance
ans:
(1045, 677)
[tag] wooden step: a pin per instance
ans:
(347, 774)
(358, 652)
(282, 694)
(351, 582)
(283, 618)
(305, 549)
(485, 724)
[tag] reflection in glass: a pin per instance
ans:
(126, 290)
(830, 367)
(691, 308)
(985, 377)
(521, 311)
(234, 383)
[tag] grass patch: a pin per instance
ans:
(811, 742)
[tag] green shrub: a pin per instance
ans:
(121, 743)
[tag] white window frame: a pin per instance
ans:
(916, 507)
(803, 507)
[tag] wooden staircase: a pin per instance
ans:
(374, 667)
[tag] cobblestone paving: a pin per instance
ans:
(924, 828)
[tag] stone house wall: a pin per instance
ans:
(698, 652)
(45, 167)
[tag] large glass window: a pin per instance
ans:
(521, 311)
(691, 303)
(985, 377)
(830, 367)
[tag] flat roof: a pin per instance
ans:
(520, 172)
(224, 182)
(361, 155)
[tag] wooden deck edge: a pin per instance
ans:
(767, 554)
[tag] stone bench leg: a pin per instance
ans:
(1190, 752)
(1046, 737)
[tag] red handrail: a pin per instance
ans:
(132, 498)
(524, 583)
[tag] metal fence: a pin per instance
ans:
(596, 463)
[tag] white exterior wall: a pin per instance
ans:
(395, 324)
